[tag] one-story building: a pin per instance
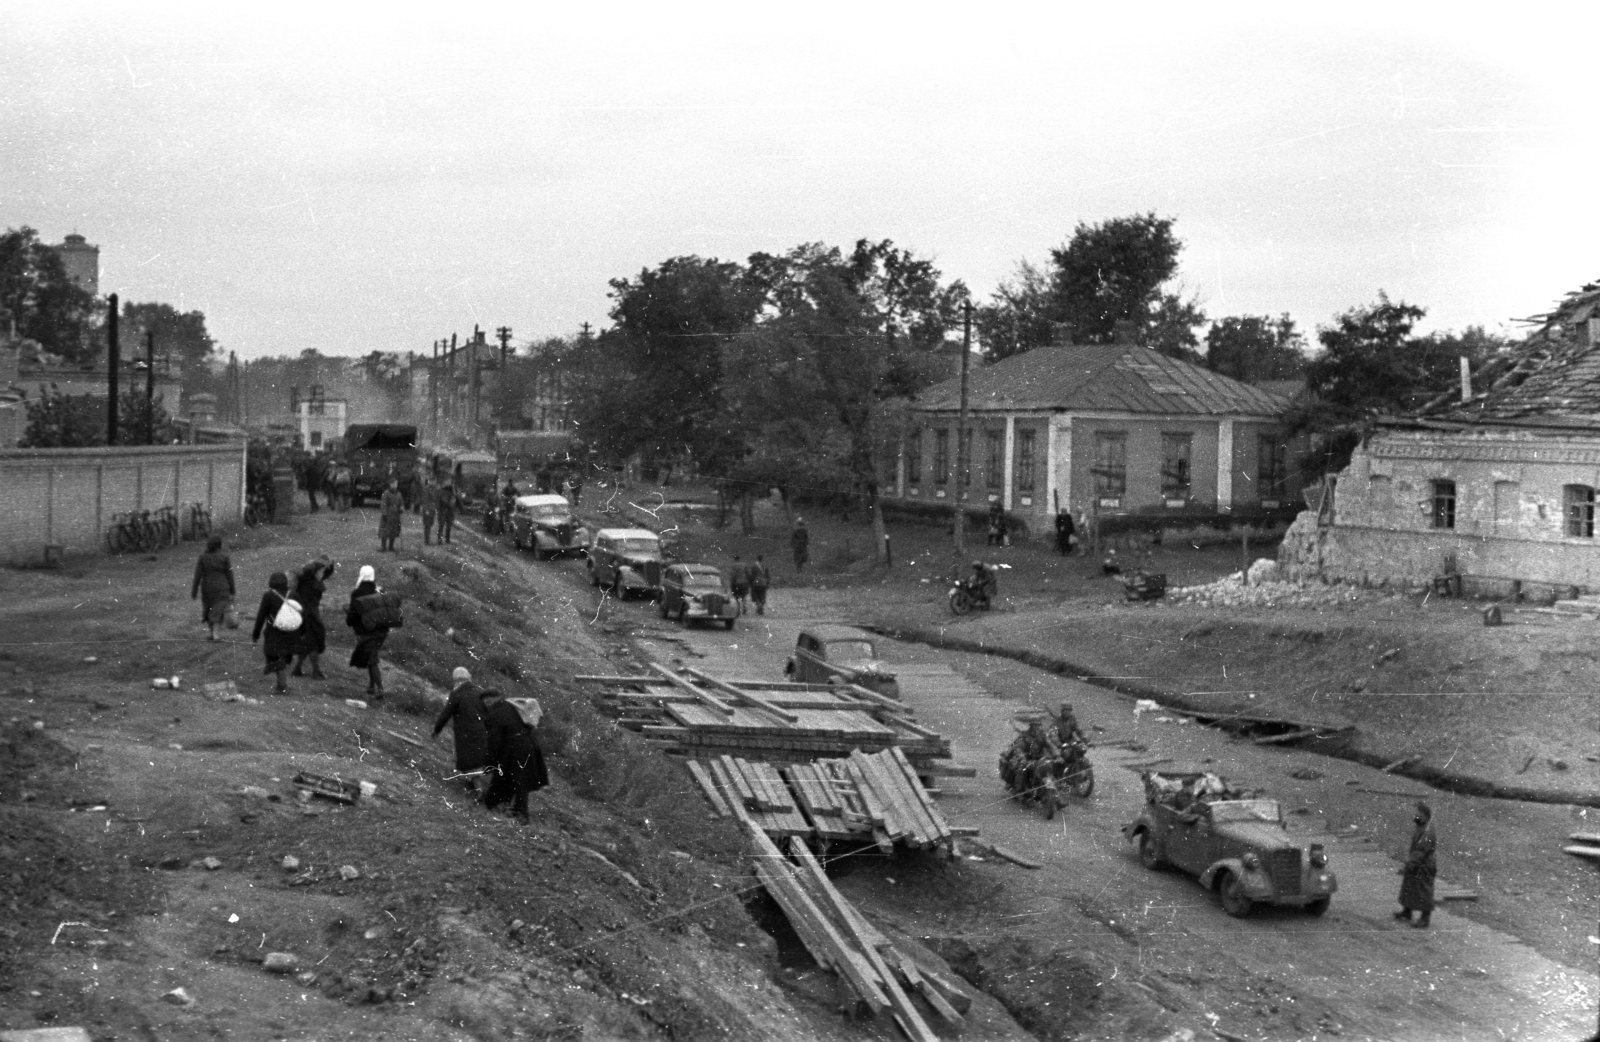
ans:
(1498, 488)
(1097, 430)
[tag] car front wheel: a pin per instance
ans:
(1319, 906)
(1235, 901)
(1149, 851)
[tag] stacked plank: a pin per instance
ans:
(704, 717)
(1583, 844)
(867, 798)
(841, 940)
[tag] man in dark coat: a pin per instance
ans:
(800, 543)
(1416, 878)
(514, 756)
(760, 579)
(391, 509)
(445, 500)
(739, 582)
(310, 584)
(1064, 531)
(465, 709)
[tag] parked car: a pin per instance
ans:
(851, 654)
(696, 591)
(626, 561)
(1234, 840)
(547, 526)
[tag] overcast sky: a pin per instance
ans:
(358, 177)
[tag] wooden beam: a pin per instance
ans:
(684, 685)
(1292, 736)
(709, 787)
(744, 696)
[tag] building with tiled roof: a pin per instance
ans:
(1495, 482)
(1097, 429)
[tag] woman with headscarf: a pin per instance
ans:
(1416, 878)
(514, 756)
(213, 585)
(369, 639)
(280, 645)
(390, 509)
(310, 584)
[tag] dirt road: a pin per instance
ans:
(1355, 972)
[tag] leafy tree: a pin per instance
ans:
(46, 305)
(141, 421)
(1255, 347)
(70, 421)
(1102, 285)
(179, 335)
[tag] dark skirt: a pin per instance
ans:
(313, 634)
(389, 527)
(279, 647)
(214, 609)
(1416, 888)
(367, 648)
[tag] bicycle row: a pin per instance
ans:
(142, 531)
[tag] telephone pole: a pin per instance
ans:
(113, 363)
(149, 387)
(961, 435)
(503, 407)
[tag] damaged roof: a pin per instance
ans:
(1102, 378)
(1551, 379)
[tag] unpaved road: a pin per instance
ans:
(1353, 973)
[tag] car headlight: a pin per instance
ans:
(1318, 857)
(1250, 860)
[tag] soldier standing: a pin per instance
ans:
(760, 579)
(739, 583)
(1416, 878)
(446, 502)
(800, 542)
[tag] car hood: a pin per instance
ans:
(1257, 835)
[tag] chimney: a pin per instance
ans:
(1466, 380)
(1594, 331)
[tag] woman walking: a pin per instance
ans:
(369, 638)
(391, 507)
(310, 585)
(280, 645)
(213, 585)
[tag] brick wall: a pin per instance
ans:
(67, 497)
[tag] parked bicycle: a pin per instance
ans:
(165, 523)
(255, 510)
(130, 531)
(199, 521)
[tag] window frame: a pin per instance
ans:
(941, 456)
(1024, 476)
(1110, 475)
(1443, 512)
(1177, 483)
(1578, 513)
(914, 458)
(995, 463)
(1272, 466)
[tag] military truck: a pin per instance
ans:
(376, 454)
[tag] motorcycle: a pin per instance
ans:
(966, 593)
(1049, 780)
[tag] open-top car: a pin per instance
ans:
(851, 654)
(546, 525)
(1235, 840)
(626, 561)
(696, 591)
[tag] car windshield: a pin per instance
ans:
(703, 582)
(849, 650)
(638, 546)
(476, 470)
(1246, 810)
(549, 512)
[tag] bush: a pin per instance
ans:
(916, 512)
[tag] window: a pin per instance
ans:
(941, 456)
(1444, 504)
(316, 439)
(914, 458)
(1272, 466)
(1580, 511)
(995, 472)
(1110, 464)
(965, 462)
(1025, 462)
(1175, 466)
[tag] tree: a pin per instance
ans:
(179, 335)
(1368, 362)
(71, 421)
(1102, 285)
(46, 305)
(1253, 348)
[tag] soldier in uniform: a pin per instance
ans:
(1416, 878)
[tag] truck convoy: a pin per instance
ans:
(378, 453)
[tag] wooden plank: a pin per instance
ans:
(733, 692)
(1011, 856)
(964, 830)
(1292, 736)
(737, 782)
(952, 770)
(709, 787)
(919, 826)
(403, 737)
(869, 695)
(924, 987)
(730, 790)
(1586, 837)
(905, 776)
(1593, 853)
(941, 826)
(897, 822)
(747, 779)
(905, 1011)
(685, 686)
(876, 812)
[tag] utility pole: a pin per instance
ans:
(433, 392)
(504, 405)
(149, 387)
(961, 435)
(583, 331)
(113, 363)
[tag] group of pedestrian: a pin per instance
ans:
(289, 624)
(493, 742)
(749, 582)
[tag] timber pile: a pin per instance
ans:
(703, 717)
(841, 940)
(861, 798)
(1583, 844)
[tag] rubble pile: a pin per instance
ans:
(1233, 592)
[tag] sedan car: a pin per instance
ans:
(1236, 842)
(824, 652)
(696, 591)
(547, 525)
(626, 561)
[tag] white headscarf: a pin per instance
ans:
(368, 574)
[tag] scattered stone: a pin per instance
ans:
(1558, 765)
(210, 864)
(257, 791)
(280, 962)
(176, 683)
(306, 978)
(290, 863)
(682, 855)
(161, 683)
(349, 872)
(91, 659)
(1389, 655)
(355, 702)
(368, 790)
(175, 746)
(1306, 773)
(178, 997)
(38, 725)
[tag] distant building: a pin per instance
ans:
(81, 259)
(1100, 429)
(320, 421)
